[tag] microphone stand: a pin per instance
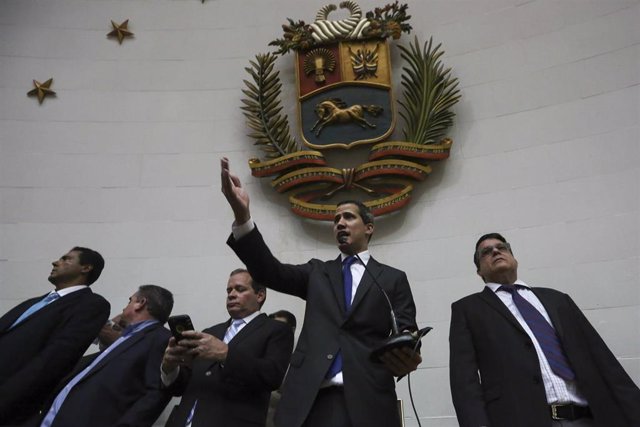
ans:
(397, 339)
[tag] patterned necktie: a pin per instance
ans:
(347, 281)
(35, 307)
(545, 335)
(233, 329)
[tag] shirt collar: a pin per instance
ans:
(250, 317)
(495, 286)
(364, 256)
(70, 289)
(136, 327)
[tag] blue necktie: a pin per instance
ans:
(35, 307)
(347, 281)
(545, 335)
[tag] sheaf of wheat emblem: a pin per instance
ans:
(346, 102)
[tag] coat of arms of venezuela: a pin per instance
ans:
(345, 102)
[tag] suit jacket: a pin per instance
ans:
(236, 392)
(369, 387)
(123, 389)
(40, 351)
(486, 338)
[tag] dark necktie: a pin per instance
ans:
(545, 335)
(347, 282)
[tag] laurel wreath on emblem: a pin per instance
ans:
(350, 49)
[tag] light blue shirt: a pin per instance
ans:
(60, 398)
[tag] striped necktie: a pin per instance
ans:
(233, 329)
(545, 334)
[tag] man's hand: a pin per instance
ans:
(236, 195)
(204, 346)
(401, 361)
(111, 331)
(174, 356)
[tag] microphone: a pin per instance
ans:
(397, 339)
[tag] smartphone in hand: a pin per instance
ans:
(178, 324)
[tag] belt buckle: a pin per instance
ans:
(554, 412)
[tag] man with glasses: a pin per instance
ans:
(527, 357)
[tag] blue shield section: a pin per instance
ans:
(353, 131)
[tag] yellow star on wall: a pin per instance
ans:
(41, 90)
(120, 31)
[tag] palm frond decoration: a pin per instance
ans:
(429, 92)
(263, 109)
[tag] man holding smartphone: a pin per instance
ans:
(226, 373)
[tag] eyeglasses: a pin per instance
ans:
(500, 247)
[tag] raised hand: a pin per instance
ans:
(235, 194)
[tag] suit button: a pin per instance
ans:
(528, 344)
(536, 379)
(329, 356)
(208, 373)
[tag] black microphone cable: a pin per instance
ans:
(394, 327)
(421, 333)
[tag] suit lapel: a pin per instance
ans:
(334, 273)
(551, 305)
(116, 352)
(374, 268)
(52, 306)
(7, 320)
(220, 330)
(249, 328)
(493, 300)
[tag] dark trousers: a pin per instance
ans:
(329, 409)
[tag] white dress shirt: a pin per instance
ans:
(558, 390)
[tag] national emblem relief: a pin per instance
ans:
(345, 100)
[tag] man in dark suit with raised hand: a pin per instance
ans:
(43, 338)
(120, 386)
(225, 374)
(527, 357)
(331, 380)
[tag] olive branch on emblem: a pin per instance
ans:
(429, 93)
(263, 109)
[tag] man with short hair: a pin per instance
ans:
(331, 380)
(527, 357)
(226, 373)
(286, 317)
(120, 385)
(43, 338)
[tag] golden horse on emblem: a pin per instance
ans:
(335, 110)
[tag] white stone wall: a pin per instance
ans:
(125, 159)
